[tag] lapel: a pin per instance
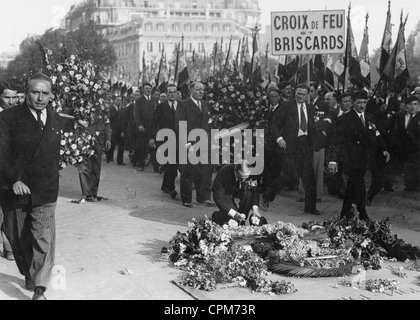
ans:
(294, 112)
(358, 122)
(194, 107)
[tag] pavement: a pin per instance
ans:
(111, 250)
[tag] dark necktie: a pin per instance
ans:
(409, 120)
(303, 120)
(39, 120)
(199, 105)
(172, 106)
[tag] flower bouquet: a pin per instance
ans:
(76, 148)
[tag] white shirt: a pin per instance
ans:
(407, 119)
(301, 133)
(1, 109)
(148, 98)
(360, 116)
(43, 115)
(273, 108)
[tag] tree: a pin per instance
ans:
(87, 42)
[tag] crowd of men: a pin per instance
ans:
(316, 139)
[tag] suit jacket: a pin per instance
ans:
(406, 140)
(143, 113)
(188, 111)
(225, 189)
(358, 144)
(164, 117)
(286, 125)
(30, 155)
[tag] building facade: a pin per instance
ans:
(147, 27)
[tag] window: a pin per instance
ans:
(188, 27)
(201, 47)
(226, 28)
(215, 28)
(200, 28)
(175, 27)
(160, 27)
(194, 5)
(150, 47)
(161, 46)
(148, 27)
(189, 47)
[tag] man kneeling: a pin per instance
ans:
(234, 182)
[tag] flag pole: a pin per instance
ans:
(347, 48)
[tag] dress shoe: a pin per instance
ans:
(122, 164)
(174, 194)
(9, 255)
(91, 199)
(208, 203)
(187, 205)
(98, 198)
(314, 212)
(39, 294)
(141, 169)
(29, 284)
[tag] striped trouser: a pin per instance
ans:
(31, 231)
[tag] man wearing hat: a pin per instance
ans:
(358, 139)
(406, 141)
(416, 92)
(234, 182)
(286, 91)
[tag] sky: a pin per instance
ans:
(20, 18)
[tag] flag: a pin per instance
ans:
(183, 77)
(319, 68)
(246, 58)
(364, 58)
(352, 57)
(255, 60)
(303, 69)
(160, 68)
(292, 67)
(396, 68)
(281, 68)
(339, 68)
(329, 72)
(267, 77)
(228, 56)
(386, 44)
(237, 56)
(144, 69)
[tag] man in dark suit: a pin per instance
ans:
(30, 136)
(143, 116)
(195, 114)
(234, 182)
(164, 118)
(272, 158)
(358, 139)
(406, 142)
(117, 138)
(90, 170)
(293, 130)
(131, 129)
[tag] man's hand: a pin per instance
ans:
(387, 155)
(21, 189)
(142, 129)
(83, 123)
(257, 212)
(240, 217)
(152, 143)
(107, 145)
(282, 144)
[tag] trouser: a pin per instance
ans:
(121, 150)
(90, 173)
(201, 176)
(114, 141)
(140, 153)
(355, 194)
(380, 178)
(169, 177)
(319, 161)
(245, 206)
(412, 171)
(31, 230)
(6, 244)
(300, 164)
(272, 166)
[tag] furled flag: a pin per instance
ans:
(281, 68)
(364, 57)
(319, 69)
(329, 72)
(353, 57)
(386, 45)
(256, 60)
(246, 58)
(396, 68)
(303, 69)
(292, 67)
(144, 69)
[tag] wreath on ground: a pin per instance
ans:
(216, 257)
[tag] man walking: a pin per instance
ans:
(30, 136)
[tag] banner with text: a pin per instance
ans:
(308, 32)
